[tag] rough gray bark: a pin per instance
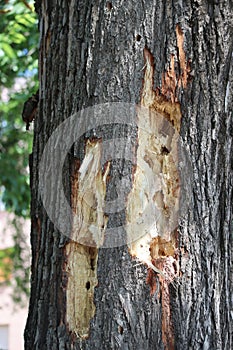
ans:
(92, 52)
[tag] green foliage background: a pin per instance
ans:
(18, 66)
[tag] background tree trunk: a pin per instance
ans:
(93, 52)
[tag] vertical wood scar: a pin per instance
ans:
(159, 247)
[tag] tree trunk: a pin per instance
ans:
(174, 59)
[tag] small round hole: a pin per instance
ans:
(88, 285)
(164, 150)
(138, 37)
(109, 5)
(120, 329)
(175, 267)
(92, 264)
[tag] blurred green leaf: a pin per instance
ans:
(18, 81)
(7, 49)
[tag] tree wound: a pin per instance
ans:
(158, 248)
(81, 265)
